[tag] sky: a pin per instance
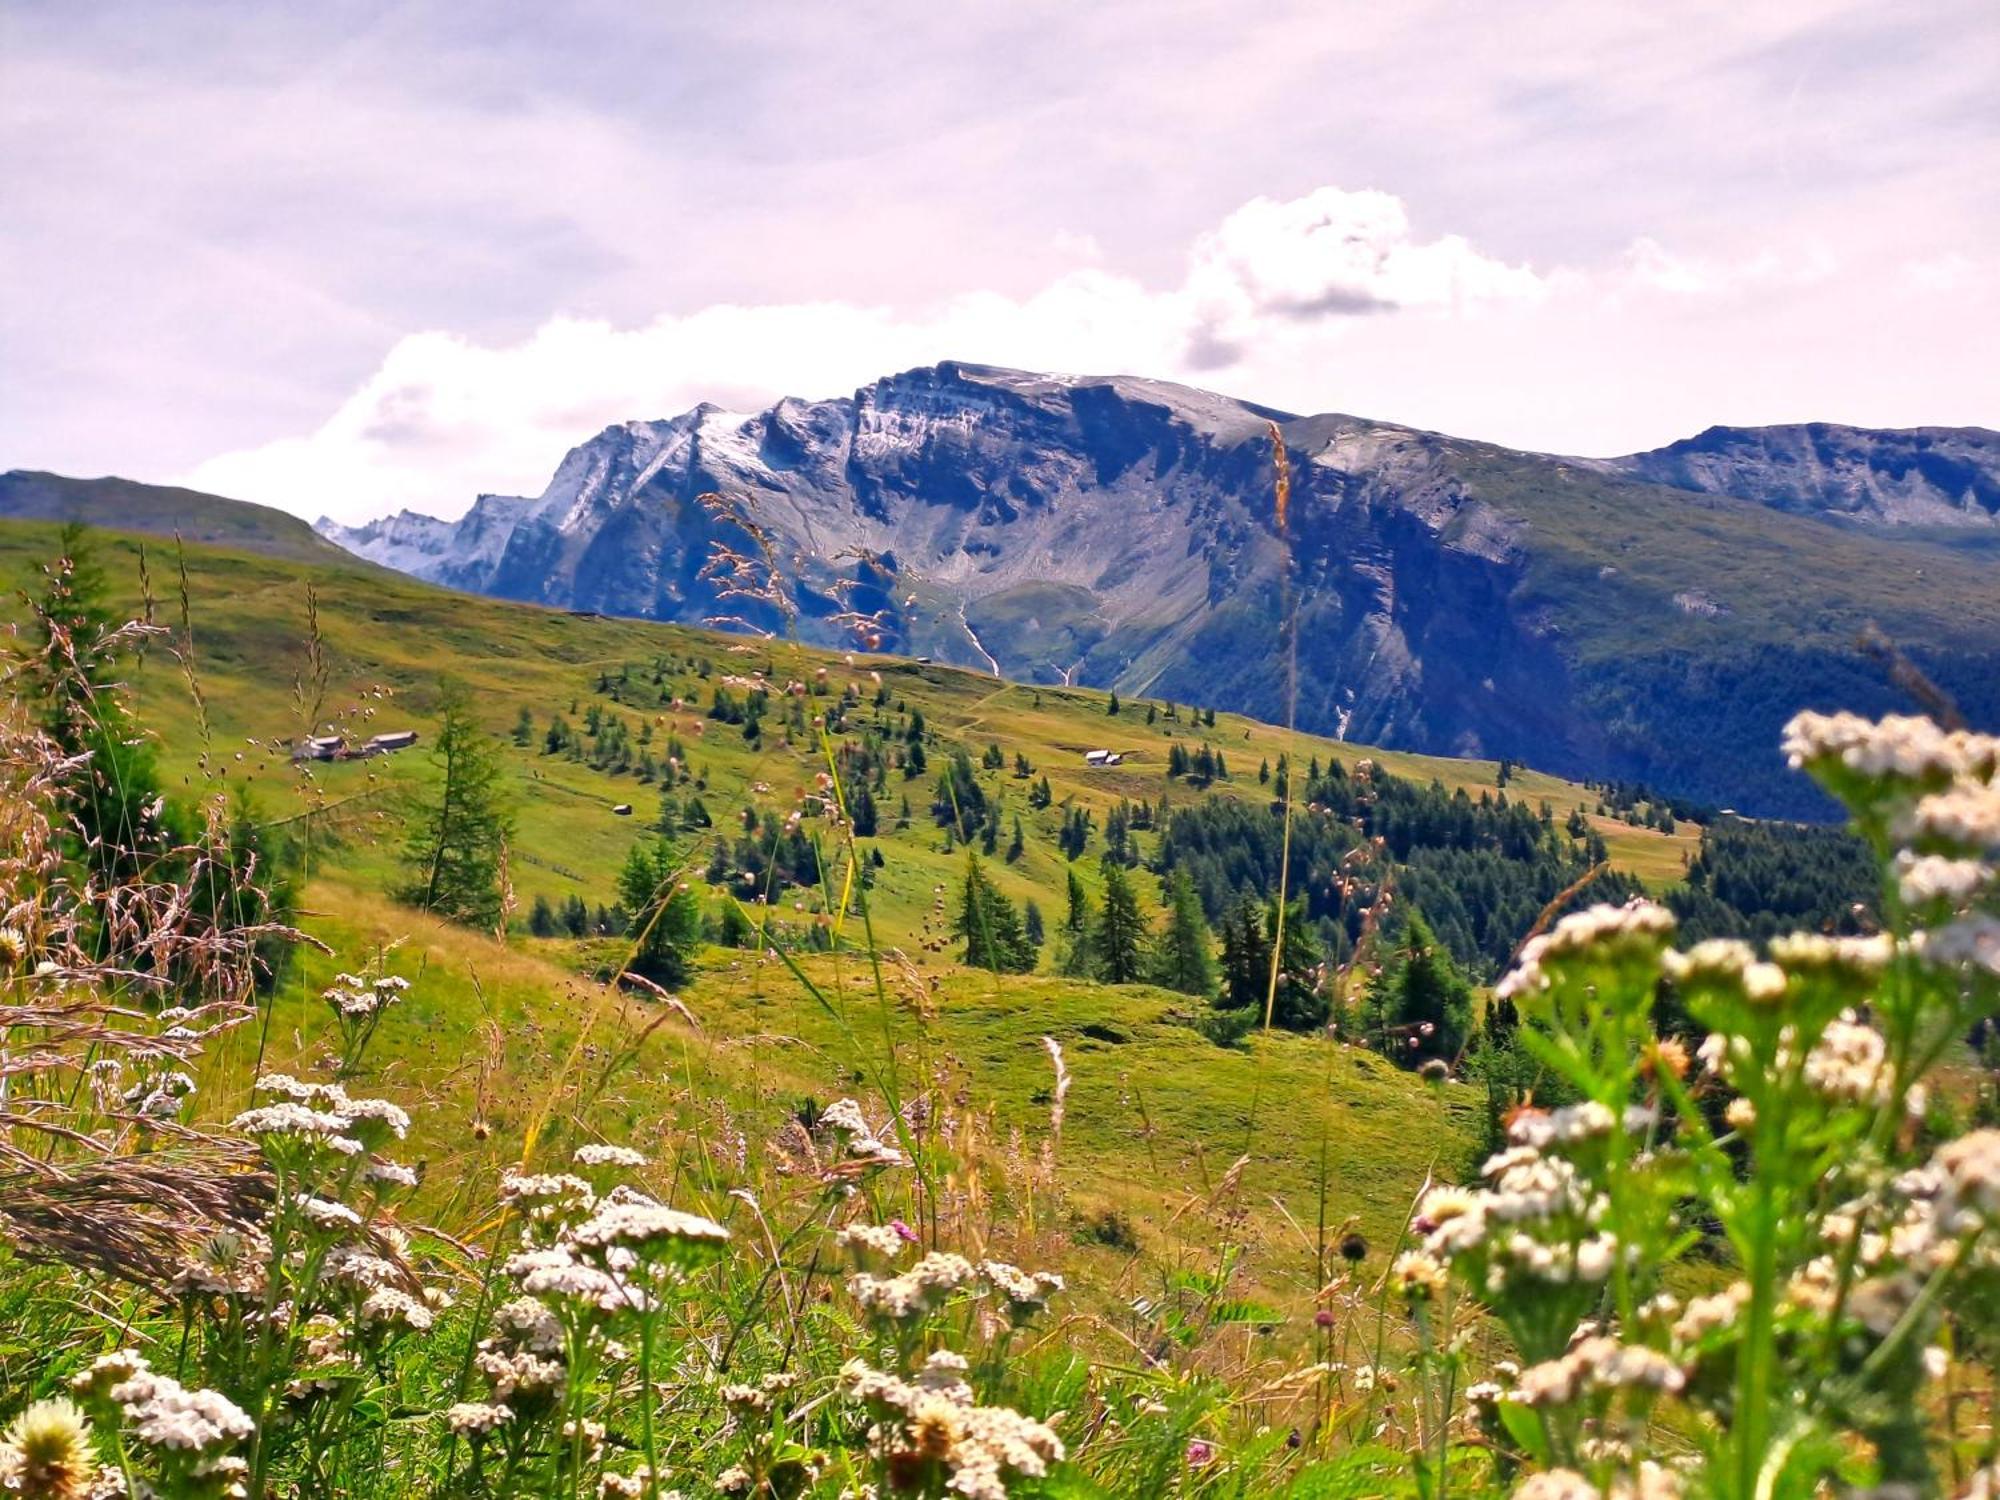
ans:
(350, 258)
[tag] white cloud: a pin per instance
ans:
(444, 418)
(227, 227)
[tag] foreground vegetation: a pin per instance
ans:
(308, 1190)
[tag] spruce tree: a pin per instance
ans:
(1246, 958)
(1073, 943)
(990, 926)
(1118, 940)
(1420, 1007)
(1182, 957)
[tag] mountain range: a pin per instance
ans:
(1650, 618)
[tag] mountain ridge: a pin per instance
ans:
(1442, 594)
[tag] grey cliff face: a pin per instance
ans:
(1118, 532)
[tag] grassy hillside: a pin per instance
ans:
(1159, 1114)
(165, 511)
(390, 641)
(1261, 1284)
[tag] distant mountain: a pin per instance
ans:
(1624, 619)
(125, 505)
(1934, 476)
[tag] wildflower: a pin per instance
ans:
(390, 1307)
(106, 1372)
(1417, 1276)
(920, 1290)
(1704, 1315)
(390, 1173)
(288, 1087)
(230, 1263)
(1900, 746)
(1594, 1257)
(1353, 1247)
(1965, 818)
(1602, 933)
(1856, 959)
(1740, 1115)
(1570, 1125)
(608, 1156)
(1025, 1294)
(932, 1422)
(1725, 964)
(649, 1227)
(545, 1195)
(556, 1272)
(530, 1325)
(1598, 1363)
(1199, 1452)
(162, 1413)
(1556, 1484)
(1972, 941)
(13, 948)
(475, 1419)
(1653, 1482)
(1452, 1220)
(291, 1123)
(1849, 1062)
(871, 1239)
(1968, 1170)
(1923, 879)
(46, 1454)
(518, 1373)
(371, 1119)
(325, 1214)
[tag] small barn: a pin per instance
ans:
(395, 739)
(320, 747)
(1103, 758)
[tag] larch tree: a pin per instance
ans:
(460, 824)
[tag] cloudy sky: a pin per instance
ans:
(345, 258)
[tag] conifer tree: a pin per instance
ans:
(990, 926)
(1183, 958)
(460, 824)
(1420, 1006)
(122, 822)
(1119, 938)
(662, 914)
(1073, 943)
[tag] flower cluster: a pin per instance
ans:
(190, 1434)
(930, 1428)
(1804, 1144)
(938, 1277)
(355, 997)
